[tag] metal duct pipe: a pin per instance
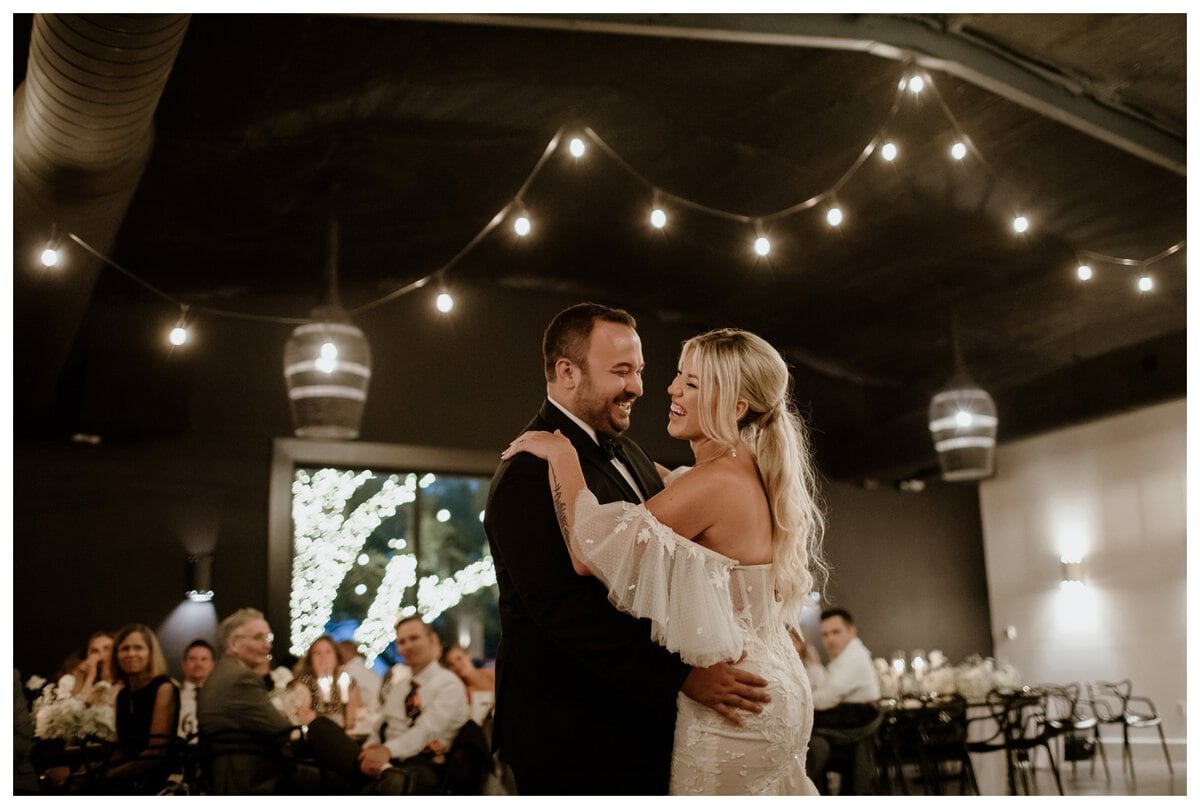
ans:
(82, 135)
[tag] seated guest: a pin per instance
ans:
(198, 662)
(420, 718)
(94, 674)
(846, 704)
(480, 683)
(235, 698)
(147, 714)
(332, 692)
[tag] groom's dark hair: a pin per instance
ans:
(568, 334)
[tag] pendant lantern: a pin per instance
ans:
(962, 424)
(327, 367)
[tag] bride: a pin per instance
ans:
(719, 561)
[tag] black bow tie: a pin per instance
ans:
(612, 448)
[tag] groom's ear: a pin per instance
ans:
(566, 372)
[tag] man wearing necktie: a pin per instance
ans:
(585, 701)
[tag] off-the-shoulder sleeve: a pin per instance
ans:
(652, 572)
(674, 474)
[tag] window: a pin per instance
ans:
(364, 533)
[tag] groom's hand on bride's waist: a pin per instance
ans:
(727, 689)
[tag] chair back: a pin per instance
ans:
(1110, 700)
(237, 762)
(468, 761)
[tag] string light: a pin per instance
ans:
(959, 150)
(762, 246)
(1020, 224)
(444, 302)
(577, 148)
(522, 226)
(178, 336)
(1145, 283)
(916, 84)
(658, 218)
(50, 257)
(889, 151)
(1084, 272)
(834, 216)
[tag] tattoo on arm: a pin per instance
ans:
(560, 508)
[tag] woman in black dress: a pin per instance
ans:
(147, 714)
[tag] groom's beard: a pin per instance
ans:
(602, 412)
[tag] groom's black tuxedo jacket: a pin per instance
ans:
(579, 684)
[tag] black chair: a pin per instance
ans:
(1073, 722)
(941, 728)
(1025, 731)
(468, 761)
(159, 767)
(1115, 704)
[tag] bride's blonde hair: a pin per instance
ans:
(733, 364)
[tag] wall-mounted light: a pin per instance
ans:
(1072, 571)
(200, 575)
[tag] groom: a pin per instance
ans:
(585, 702)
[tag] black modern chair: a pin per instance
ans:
(942, 749)
(1026, 729)
(1115, 704)
(1073, 723)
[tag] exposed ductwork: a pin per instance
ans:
(82, 136)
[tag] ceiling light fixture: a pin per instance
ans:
(1020, 224)
(962, 424)
(1145, 283)
(658, 218)
(959, 150)
(577, 148)
(889, 151)
(834, 216)
(1084, 272)
(327, 366)
(916, 84)
(522, 226)
(762, 246)
(444, 302)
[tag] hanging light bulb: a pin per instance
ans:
(916, 84)
(49, 257)
(522, 226)
(1020, 224)
(889, 151)
(179, 335)
(327, 362)
(444, 302)
(959, 150)
(1145, 283)
(658, 218)
(834, 216)
(762, 245)
(1084, 272)
(577, 148)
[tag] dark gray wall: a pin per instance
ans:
(101, 533)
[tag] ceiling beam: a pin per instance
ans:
(904, 38)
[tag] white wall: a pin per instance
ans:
(1112, 492)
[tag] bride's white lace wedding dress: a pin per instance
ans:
(708, 608)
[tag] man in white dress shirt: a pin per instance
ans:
(198, 662)
(846, 703)
(420, 717)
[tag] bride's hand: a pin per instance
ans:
(539, 443)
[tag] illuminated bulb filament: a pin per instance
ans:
(963, 418)
(1020, 224)
(658, 218)
(49, 257)
(178, 336)
(522, 226)
(762, 245)
(577, 148)
(1145, 283)
(916, 84)
(327, 362)
(834, 216)
(889, 151)
(1084, 272)
(959, 150)
(444, 302)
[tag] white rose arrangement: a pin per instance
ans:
(59, 714)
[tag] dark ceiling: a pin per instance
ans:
(416, 132)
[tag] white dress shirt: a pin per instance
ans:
(444, 711)
(849, 677)
(625, 473)
(187, 709)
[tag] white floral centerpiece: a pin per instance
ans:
(973, 678)
(59, 714)
(281, 696)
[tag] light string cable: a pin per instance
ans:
(492, 224)
(745, 219)
(991, 171)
